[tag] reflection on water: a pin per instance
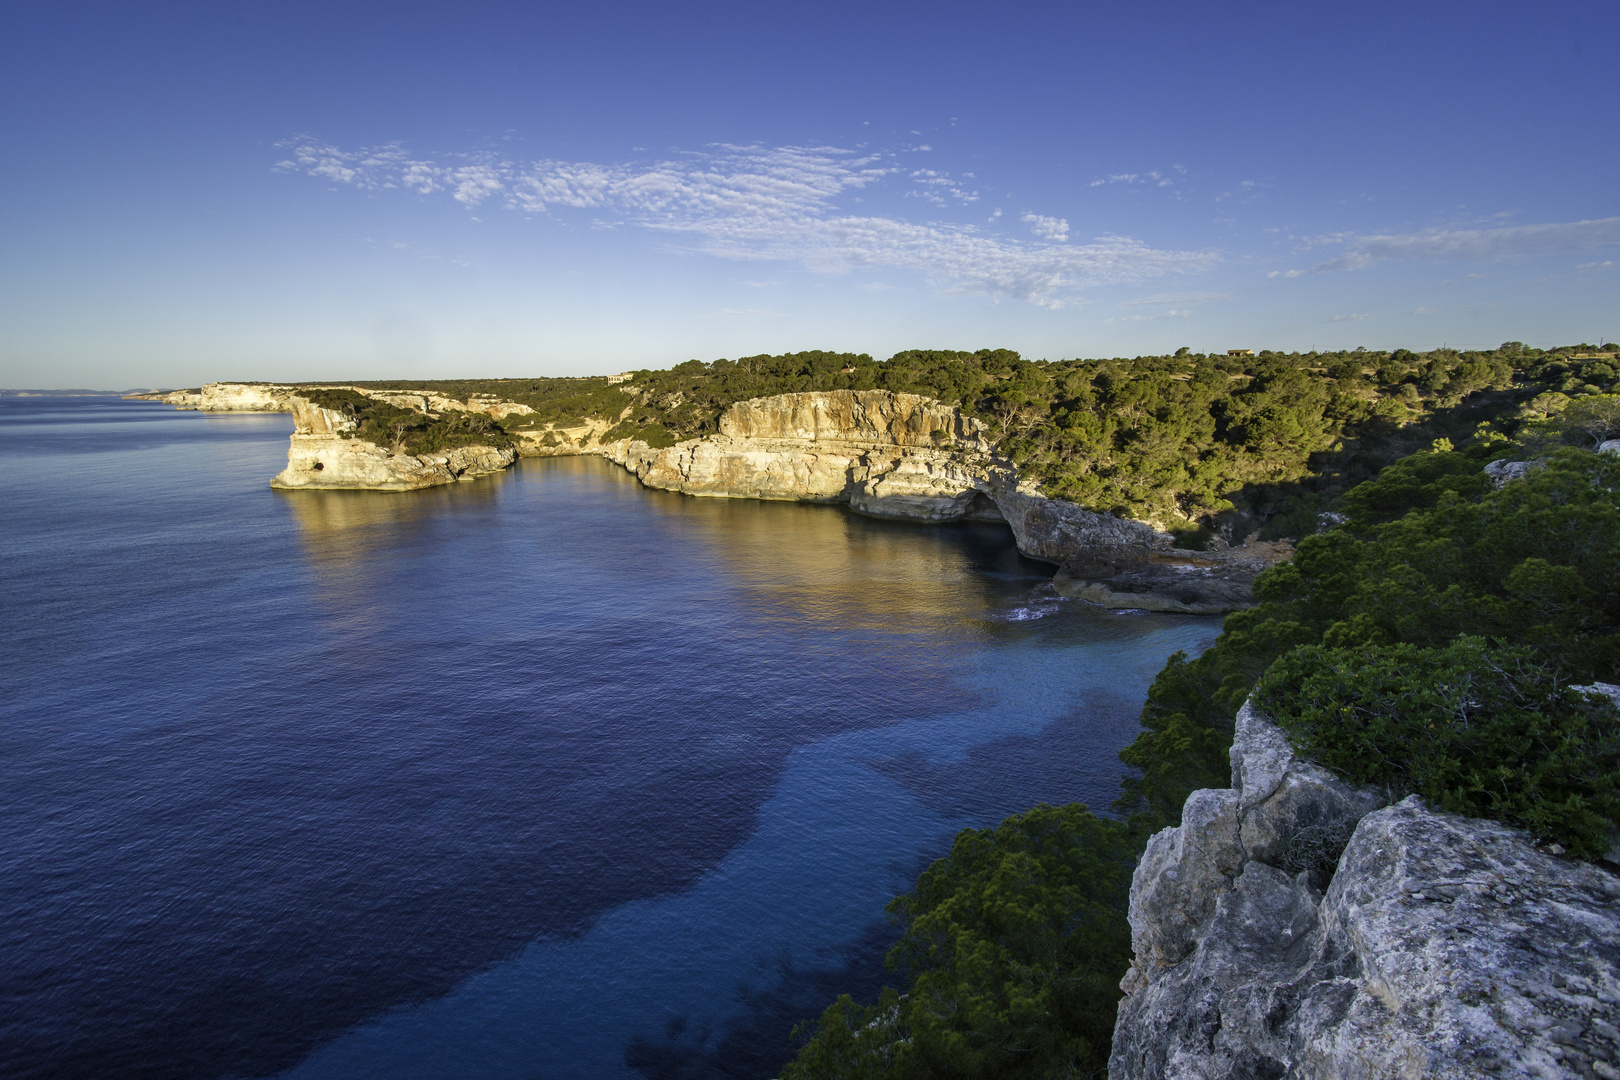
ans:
(858, 573)
(964, 688)
(339, 527)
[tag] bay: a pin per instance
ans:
(546, 774)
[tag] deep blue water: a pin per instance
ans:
(544, 775)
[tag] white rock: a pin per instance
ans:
(1442, 947)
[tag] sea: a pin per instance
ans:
(544, 775)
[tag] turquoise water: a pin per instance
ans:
(544, 775)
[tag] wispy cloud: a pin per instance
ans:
(939, 188)
(1350, 318)
(1047, 228)
(760, 203)
(1153, 178)
(1451, 245)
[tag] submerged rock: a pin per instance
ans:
(1294, 926)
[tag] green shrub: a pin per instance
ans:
(1431, 551)
(1015, 943)
(1489, 733)
(408, 431)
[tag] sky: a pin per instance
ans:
(326, 191)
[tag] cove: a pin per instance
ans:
(545, 774)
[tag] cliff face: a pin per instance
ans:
(1293, 926)
(322, 455)
(232, 397)
(888, 455)
(882, 454)
(903, 456)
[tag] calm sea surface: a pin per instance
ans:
(544, 775)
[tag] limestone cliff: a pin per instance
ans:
(904, 456)
(228, 397)
(1294, 926)
(880, 453)
(324, 454)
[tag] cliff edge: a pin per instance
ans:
(1294, 926)
(908, 457)
(324, 453)
(883, 454)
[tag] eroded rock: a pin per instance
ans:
(323, 453)
(882, 454)
(1441, 946)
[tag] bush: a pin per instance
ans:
(1488, 733)
(1535, 565)
(1015, 943)
(408, 431)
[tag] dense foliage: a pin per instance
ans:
(1191, 442)
(408, 431)
(1426, 643)
(1533, 565)
(1490, 733)
(1014, 947)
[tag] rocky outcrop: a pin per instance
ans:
(888, 455)
(909, 457)
(1294, 926)
(1502, 472)
(488, 404)
(227, 397)
(1168, 579)
(879, 453)
(325, 454)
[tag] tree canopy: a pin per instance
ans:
(1193, 443)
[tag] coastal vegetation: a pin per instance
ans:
(407, 431)
(1475, 730)
(1427, 636)
(1427, 641)
(1200, 444)
(1014, 947)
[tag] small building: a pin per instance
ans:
(1239, 352)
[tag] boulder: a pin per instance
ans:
(1503, 471)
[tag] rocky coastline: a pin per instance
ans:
(882, 454)
(325, 454)
(1295, 926)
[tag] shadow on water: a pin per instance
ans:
(762, 1039)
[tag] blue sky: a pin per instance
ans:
(289, 191)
